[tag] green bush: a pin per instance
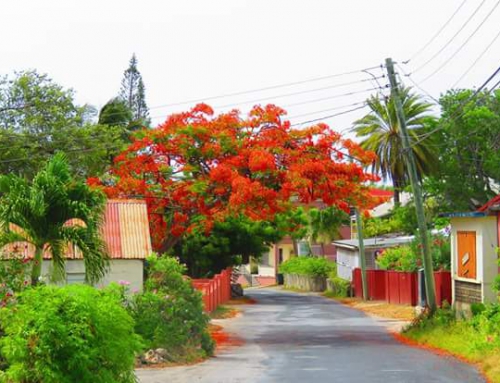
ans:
(402, 258)
(310, 266)
(169, 313)
(339, 287)
(68, 334)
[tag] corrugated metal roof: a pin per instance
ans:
(125, 231)
(374, 242)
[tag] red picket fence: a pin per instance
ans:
(399, 287)
(215, 291)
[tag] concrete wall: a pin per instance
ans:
(129, 270)
(486, 243)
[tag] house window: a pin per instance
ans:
(72, 278)
(466, 254)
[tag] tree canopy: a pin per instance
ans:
(197, 168)
(380, 132)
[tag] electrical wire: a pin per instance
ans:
(431, 40)
(329, 116)
(463, 44)
(476, 60)
(450, 40)
(329, 97)
(417, 85)
(314, 79)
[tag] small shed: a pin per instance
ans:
(348, 253)
(126, 233)
(474, 257)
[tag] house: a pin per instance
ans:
(474, 254)
(348, 253)
(267, 270)
(126, 233)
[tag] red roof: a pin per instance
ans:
(490, 203)
(381, 193)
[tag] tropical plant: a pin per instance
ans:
(52, 212)
(310, 266)
(381, 132)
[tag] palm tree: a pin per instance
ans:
(381, 131)
(40, 213)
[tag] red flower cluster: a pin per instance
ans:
(197, 168)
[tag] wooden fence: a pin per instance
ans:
(399, 287)
(216, 290)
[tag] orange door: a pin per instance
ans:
(466, 241)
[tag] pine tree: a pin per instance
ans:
(133, 93)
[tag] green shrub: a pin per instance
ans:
(339, 287)
(68, 334)
(169, 313)
(402, 258)
(311, 266)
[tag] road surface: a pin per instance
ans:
(291, 337)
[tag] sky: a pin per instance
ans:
(197, 49)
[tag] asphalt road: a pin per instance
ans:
(304, 338)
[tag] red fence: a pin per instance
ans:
(398, 287)
(216, 290)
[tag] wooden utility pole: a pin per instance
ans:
(415, 183)
(362, 258)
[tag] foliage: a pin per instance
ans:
(401, 258)
(14, 276)
(409, 257)
(381, 132)
(37, 213)
(169, 313)
(39, 117)
(133, 93)
(470, 150)
(324, 224)
(70, 334)
(339, 287)
(197, 169)
(311, 266)
(233, 241)
(476, 339)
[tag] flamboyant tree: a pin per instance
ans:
(197, 168)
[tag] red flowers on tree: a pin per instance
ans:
(197, 168)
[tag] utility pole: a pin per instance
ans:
(362, 259)
(415, 183)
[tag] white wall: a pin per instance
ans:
(347, 260)
(129, 270)
(486, 243)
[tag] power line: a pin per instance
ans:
(328, 110)
(477, 59)
(451, 39)
(314, 79)
(431, 40)
(417, 85)
(329, 116)
(459, 112)
(292, 94)
(329, 97)
(463, 44)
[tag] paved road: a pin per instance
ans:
(303, 338)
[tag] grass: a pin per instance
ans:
(224, 312)
(460, 339)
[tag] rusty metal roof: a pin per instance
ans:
(125, 231)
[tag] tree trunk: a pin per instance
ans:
(397, 189)
(36, 270)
